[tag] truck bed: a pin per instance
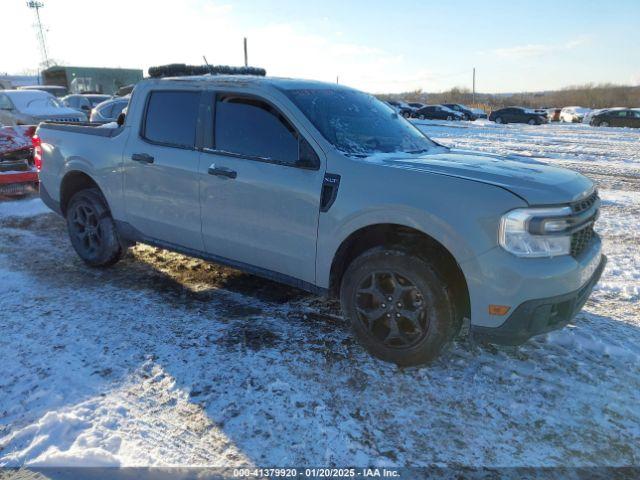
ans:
(85, 128)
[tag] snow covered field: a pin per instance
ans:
(167, 360)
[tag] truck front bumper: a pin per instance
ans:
(541, 315)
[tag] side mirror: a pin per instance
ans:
(307, 156)
(120, 120)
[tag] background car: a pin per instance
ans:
(619, 117)
(573, 114)
(30, 107)
(468, 112)
(517, 115)
(553, 114)
(401, 107)
(18, 173)
(109, 110)
(437, 112)
(55, 90)
(84, 102)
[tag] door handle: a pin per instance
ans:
(142, 157)
(222, 172)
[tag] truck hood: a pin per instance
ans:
(536, 183)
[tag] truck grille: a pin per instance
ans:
(581, 239)
(68, 119)
(584, 204)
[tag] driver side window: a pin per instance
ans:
(253, 128)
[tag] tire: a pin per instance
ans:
(418, 321)
(449, 118)
(499, 120)
(421, 117)
(532, 122)
(92, 230)
(406, 115)
(603, 124)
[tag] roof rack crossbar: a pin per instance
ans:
(182, 70)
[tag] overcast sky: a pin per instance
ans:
(378, 46)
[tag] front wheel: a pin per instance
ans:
(449, 118)
(604, 124)
(398, 305)
(532, 122)
(92, 230)
(499, 120)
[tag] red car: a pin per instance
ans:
(18, 169)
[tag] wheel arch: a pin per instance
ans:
(73, 182)
(411, 238)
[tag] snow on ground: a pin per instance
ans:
(590, 150)
(167, 360)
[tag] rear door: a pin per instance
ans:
(618, 118)
(260, 205)
(161, 187)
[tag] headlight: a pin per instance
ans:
(536, 232)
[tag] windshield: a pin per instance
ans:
(358, 124)
(96, 100)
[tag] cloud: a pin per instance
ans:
(538, 50)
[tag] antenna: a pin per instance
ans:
(36, 5)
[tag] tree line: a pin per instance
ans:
(589, 95)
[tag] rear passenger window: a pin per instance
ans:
(251, 127)
(172, 117)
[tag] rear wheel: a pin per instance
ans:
(499, 120)
(92, 230)
(399, 306)
(532, 122)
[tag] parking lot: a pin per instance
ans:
(169, 360)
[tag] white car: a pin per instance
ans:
(573, 114)
(30, 107)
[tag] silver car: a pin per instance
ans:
(84, 102)
(108, 111)
(30, 107)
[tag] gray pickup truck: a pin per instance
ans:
(326, 188)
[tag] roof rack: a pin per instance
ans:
(182, 70)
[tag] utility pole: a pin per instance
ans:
(474, 86)
(36, 5)
(246, 56)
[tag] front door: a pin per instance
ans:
(161, 170)
(260, 188)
